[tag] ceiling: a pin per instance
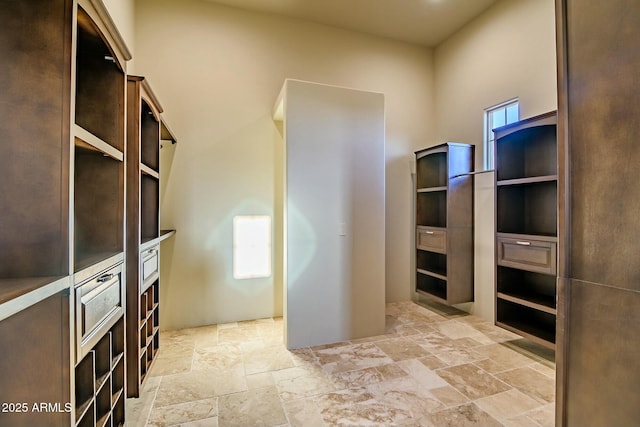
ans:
(423, 22)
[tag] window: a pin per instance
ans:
(494, 117)
(251, 247)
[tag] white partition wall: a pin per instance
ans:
(333, 213)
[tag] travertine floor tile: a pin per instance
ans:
(434, 367)
(351, 357)
(530, 382)
(472, 381)
(197, 385)
(500, 358)
(401, 349)
(180, 413)
(303, 413)
(449, 396)
(267, 359)
(504, 405)
(405, 397)
(253, 408)
(467, 415)
(357, 378)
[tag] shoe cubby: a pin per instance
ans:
(100, 381)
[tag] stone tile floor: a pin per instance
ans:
(435, 366)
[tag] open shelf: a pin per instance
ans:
(527, 209)
(99, 85)
(431, 285)
(525, 153)
(530, 180)
(431, 209)
(34, 236)
(432, 262)
(536, 325)
(431, 170)
(99, 207)
(11, 289)
(535, 290)
(85, 386)
(149, 137)
(150, 204)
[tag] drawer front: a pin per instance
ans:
(99, 301)
(150, 264)
(532, 255)
(432, 239)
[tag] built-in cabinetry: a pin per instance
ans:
(34, 210)
(597, 364)
(145, 129)
(98, 231)
(62, 209)
(444, 222)
(526, 227)
(100, 381)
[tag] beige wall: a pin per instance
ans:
(123, 14)
(217, 72)
(507, 52)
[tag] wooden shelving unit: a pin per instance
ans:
(145, 130)
(100, 381)
(526, 228)
(62, 208)
(34, 207)
(444, 223)
(98, 232)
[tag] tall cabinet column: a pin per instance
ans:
(598, 364)
(62, 209)
(145, 129)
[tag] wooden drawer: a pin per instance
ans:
(432, 239)
(150, 266)
(99, 303)
(527, 254)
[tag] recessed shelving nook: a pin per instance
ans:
(145, 130)
(444, 223)
(526, 227)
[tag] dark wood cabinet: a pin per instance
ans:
(100, 381)
(62, 209)
(526, 227)
(145, 130)
(98, 137)
(598, 369)
(444, 223)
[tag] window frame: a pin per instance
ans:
(488, 137)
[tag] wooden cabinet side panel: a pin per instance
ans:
(35, 363)
(35, 88)
(602, 382)
(604, 130)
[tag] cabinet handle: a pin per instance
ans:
(104, 278)
(523, 243)
(429, 232)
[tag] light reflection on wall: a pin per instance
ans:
(252, 248)
(302, 237)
